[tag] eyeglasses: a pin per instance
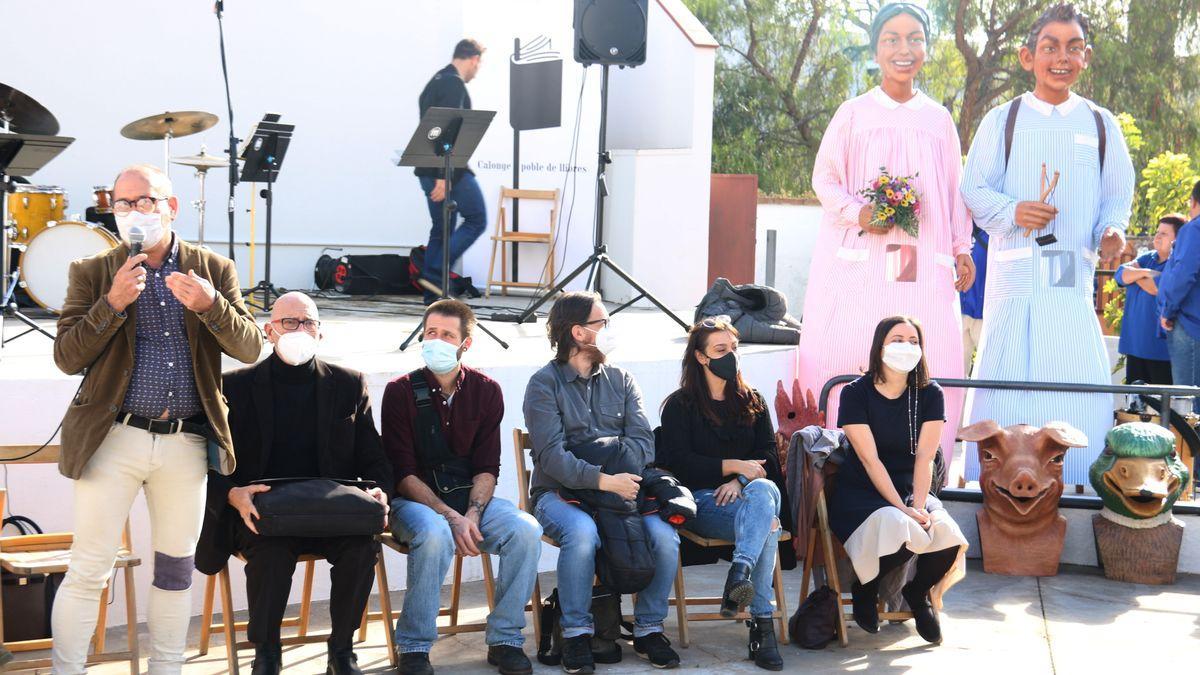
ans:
(718, 321)
(603, 323)
(122, 207)
(295, 324)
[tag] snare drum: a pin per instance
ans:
(50, 253)
(102, 196)
(32, 207)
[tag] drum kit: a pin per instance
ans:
(36, 225)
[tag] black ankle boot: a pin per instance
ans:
(926, 619)
(738, 590)
(268, 659)
(764, 650)
(866, 606)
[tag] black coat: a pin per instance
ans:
(348, 445)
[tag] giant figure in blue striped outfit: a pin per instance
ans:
(1039, 323)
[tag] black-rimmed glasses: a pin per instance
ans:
(289, 323)
(122, 207)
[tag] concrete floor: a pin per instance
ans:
(1077, 622)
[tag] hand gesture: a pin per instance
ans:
(623, 484)
(1167, 324)
(192, 291)
(865, 214)
(438, 193)
(727, 493)
(128, 283)
(964, 267)
(466, 534)
(1034, 215)
(381, 497)
(919, 515)
(1112, 243)
(750, 468)
(242, 499)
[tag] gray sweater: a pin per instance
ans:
(564, 410)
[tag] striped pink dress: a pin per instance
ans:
(856, 280)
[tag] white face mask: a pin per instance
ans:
(151, 224)
(605, 340)
(296, 348)
(440, 356)
(901, 356)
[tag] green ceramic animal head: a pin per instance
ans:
(1139, 475)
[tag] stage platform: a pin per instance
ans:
(364, 335)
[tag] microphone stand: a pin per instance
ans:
(233, 139)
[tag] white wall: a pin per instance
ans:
(348, 75)
(796, 227)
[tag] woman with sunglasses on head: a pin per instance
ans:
(880, 506)
(718, 440)
(862, 272)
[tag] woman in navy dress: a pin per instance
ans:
(880, 506)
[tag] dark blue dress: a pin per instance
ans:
(854, 497)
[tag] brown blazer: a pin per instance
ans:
(92, 336)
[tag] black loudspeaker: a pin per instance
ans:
(611, 32)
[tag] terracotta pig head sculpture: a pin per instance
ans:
(1020, 530)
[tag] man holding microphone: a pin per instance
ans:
(149, 329)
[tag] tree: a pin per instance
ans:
(780, 76)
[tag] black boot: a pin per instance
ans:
(738, 590)
(415, 663)
(928, 626)
(342, 661)
(763, 648)
(268, 659)
(866, 606)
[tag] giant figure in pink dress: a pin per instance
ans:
(861, 274)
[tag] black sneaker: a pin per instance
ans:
(577, 655)
(509, 660)
(415, 663)
(656, 649)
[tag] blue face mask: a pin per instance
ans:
(439, 355)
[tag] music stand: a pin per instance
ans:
(20, 155)
(446, 138)
(263, 158)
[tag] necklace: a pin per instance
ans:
(912, 418)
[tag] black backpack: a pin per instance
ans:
(814, 624)
(606, 619)
(624, 563)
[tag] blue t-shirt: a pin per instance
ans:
(1139, 329)
(972, 298)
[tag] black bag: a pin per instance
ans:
(606, 620)
(27, 599)
(814, 624)
(318, 507)
(446, 473)
(625, 562)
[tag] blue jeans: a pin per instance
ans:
(748, 523)
(1185, 359)
(575, 532)
(474, 221)
(507, 531)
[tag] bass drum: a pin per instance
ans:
(49, 254)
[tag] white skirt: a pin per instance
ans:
(889, 528)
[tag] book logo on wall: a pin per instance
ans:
(535, 85)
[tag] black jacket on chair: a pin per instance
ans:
(348, 445)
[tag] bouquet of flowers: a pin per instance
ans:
(896, 202)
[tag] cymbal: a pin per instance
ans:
(25, 115)
(202, 161)
(177, 124)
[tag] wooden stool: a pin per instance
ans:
(681, 601)
(45, 554)
(504, 236)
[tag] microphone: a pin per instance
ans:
(137, 235)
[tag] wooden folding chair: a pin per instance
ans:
(46, 554)
(505, 237)
(229, 627)
(453, 627)
(681, 601)
(521, 445)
